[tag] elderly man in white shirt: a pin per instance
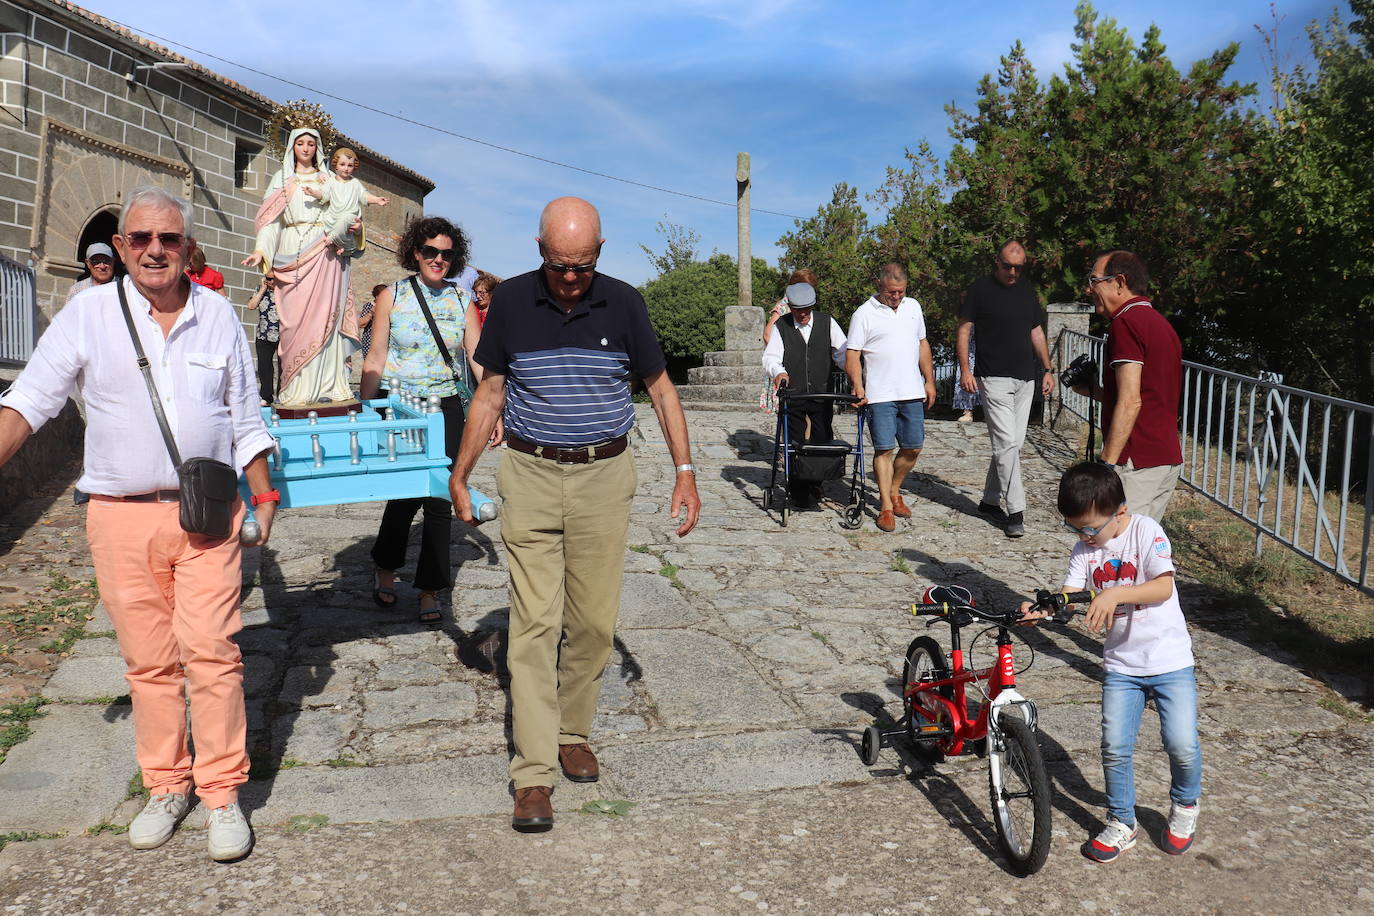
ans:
(173, 596)
(890, 369)
(796, 361)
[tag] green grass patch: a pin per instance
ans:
(899, 563)
(304, 823)
(136, 789)
(106, 827)
(820, 637)
(25, 836)
(608, 807)
(1345, 710)
(344, 760)
(14, 722)
(640, 548)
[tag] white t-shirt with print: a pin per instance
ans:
(1143, 640)
(890, 340)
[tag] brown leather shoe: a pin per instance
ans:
(899, 507)
(578, 762)
(886, 522)
(533, 810)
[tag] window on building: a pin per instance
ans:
(245, 152)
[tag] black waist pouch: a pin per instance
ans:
(208, 490)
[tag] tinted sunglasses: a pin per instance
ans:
(102, 259)
(430, 253)
(1091, 531)
(1010, 267)
(570, 268)
(137, 241)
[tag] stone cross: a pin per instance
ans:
(746, 259)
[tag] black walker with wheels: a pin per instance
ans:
(821, 460)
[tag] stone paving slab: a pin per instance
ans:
(72, 773)
(81, 679)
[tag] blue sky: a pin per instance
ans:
(661, 93)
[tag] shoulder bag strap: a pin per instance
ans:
(146, 368)
(433, 326)
(459, 373)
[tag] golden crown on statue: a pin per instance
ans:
(298, 113)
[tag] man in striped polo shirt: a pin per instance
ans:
(558, 349)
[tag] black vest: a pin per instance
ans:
(807, 363)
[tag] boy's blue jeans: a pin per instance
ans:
(1123, 701)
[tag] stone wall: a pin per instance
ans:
(76, 131)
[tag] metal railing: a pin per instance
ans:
(1288, 461)
(18, 310)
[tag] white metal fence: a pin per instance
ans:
(1297, 465)
(18, 308)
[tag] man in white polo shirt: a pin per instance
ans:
(890, 370)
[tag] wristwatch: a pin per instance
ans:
(266, 496)
(685, 467)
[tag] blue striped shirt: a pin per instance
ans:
(568, 373)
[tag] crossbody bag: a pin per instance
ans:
(207, 487)
(460, 374)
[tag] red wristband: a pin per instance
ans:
(266, 496)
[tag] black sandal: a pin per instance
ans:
(383, 595)
(433, 614)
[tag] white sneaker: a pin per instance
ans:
(157, 820)
(1114, 839)
(1178, 836)
(230, 835)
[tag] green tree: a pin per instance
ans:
(838, 246)
(1308, 308)
(680, 250)
(687, 304)
(1121, 150)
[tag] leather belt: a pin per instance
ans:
(157, 496)
(584, 455)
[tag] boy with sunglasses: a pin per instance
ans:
(1147, 653)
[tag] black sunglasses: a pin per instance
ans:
(101, 259)
(430, 253)
(570, 268)
(1007, 266)
(137, 241)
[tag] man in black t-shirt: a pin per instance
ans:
(1004, 312)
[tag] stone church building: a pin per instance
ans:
(89, 110)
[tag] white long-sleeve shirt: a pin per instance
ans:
(202, 369)
(772, 354)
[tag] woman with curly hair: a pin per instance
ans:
(404, 348)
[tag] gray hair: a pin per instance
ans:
(892, 273)
(152, 196)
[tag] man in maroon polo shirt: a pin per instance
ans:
(1141, 391)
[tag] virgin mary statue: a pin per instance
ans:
(319, 327)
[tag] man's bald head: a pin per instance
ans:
(570, 243)
(570, 221)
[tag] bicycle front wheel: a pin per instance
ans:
(1020, 793)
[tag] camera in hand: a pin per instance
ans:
(1082, 371)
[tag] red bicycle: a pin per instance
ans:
(941, 718)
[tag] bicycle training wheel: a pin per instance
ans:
(924, 660)
(1020, 793)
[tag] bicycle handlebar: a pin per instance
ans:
(1045, 600)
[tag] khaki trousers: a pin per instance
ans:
(564, 527)
(1148, 489)
(174, 601)
(1006, 411)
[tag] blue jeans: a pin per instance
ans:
(1123, 701)
(894, 423)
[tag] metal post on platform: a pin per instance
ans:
(317, 450)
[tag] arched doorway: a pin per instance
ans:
(100, 228)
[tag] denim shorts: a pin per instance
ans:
(894, 423)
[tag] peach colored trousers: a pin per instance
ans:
(174, 600)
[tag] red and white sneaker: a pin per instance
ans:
(1178, 836)
(1114, 839)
